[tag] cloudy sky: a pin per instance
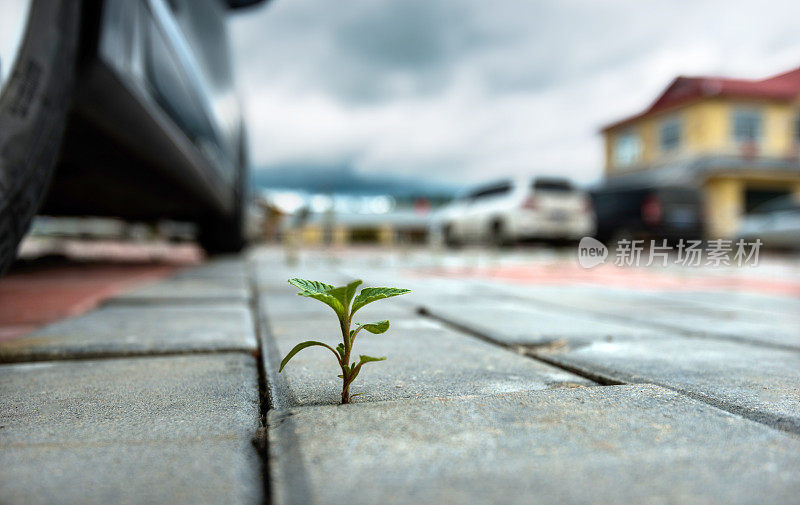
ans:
(465, 90)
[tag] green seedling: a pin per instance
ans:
(345, 303)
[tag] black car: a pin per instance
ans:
(122, 108)
(648, 212)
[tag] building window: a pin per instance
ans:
(670, 134)
(747, 126)
(627, 149)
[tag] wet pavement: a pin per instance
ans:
(513, 377)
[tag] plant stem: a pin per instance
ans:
(346, 392)
(345, 325)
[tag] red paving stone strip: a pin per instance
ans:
(32, 299)
(40, 292)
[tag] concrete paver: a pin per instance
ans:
(717, 316)
(221, 280)
(448, 418)
(759, 383)
(232, 267)
(782, 306)
(143, 430)
(138, 330)
(425, 359)
(186, 290)
(614, 444)
(509, 319)
(517, 322)
(616, 312)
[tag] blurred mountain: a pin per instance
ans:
(342, 179)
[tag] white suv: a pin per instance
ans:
(507, 211)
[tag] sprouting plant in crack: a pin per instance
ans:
(345, 303)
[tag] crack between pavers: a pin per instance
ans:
(597, 378)
(261, 438)
(272, 391)
(38, 358)
(773, 421)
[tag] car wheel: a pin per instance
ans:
(498, 235)
(222, 234)
(36, 78)
(450, 239)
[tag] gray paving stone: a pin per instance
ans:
(424, 360)
(187, 290)
(517, 322)
(728, 315)
(144, 430)
(509, 319)
(135, 330)
(759, 383)
(616, 444)
(720, 316)
(739, 300)
(234, 267)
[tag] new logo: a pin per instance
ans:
(591, 252)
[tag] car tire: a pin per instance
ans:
(498, 235)
(33, 110)
(222, 235)
(450, 239)
(225, 234)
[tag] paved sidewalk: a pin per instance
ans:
(659, 409)
(152, 398)
(493, 392)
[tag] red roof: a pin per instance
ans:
(684, 89)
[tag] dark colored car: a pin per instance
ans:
(670, 213)
(775, 222)
(122, 108)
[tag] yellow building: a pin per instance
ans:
(737, 140)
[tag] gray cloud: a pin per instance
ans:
(469, 89)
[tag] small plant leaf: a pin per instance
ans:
(299, 347)
(362, 358)
(310, 286)
(369, 295)
(366, 359)
(340, 293)
(319, 291)
(351, 290)
(344, 293)
(376, 327)
(345, 302)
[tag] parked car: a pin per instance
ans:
(776, 223)
(123, 108)
(670, 213)
(512, 210)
